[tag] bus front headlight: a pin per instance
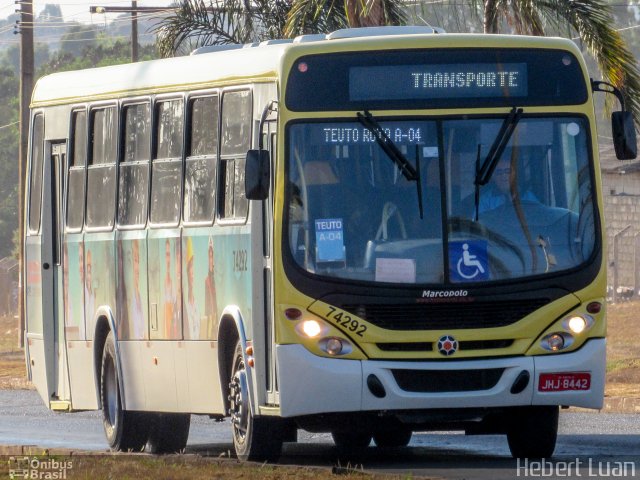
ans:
(311, 328)
(577, 324)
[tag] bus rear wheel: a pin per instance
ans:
(533, 432)
(169, 432)
(254, 438)
(125, 430)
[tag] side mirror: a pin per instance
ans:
(256, 174)
(624, 135)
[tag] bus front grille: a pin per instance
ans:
(418, 316)
(431, 381)
(428, 346)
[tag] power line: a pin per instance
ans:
(9, 124)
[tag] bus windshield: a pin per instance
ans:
(353, 214)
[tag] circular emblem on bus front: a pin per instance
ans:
(447, 345)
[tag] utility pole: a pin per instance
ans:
(134, 31)
(25, 29)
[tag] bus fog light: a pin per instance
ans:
(577, 324)
(334, 346)
(555, 342)
(311, 328)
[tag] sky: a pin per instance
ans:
(78, 10)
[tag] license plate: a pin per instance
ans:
(562, 382)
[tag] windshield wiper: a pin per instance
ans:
(484, 173)
(410, 172)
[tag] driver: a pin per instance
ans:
(499, 192)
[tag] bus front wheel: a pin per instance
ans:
(398, 437)
(254, 438)
(533, 432)
(125, 430)
(349, 441)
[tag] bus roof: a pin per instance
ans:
(158, 76)
(237, 64)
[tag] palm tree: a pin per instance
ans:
(310, 16)
(197, 23)
(218, 22)
(590, 19)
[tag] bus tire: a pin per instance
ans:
(351, 441)
(533, 432)
(254, 438)
(126, 431)
(398, 437)
(169, 432)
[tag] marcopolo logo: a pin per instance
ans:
(444, 293)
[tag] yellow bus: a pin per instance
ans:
(369, 233)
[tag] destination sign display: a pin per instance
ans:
(443, 78)
(351, 133)
(438, 81)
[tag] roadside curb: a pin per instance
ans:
(33, 450)
(621, 404)
(613, 405)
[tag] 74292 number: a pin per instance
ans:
(344, 320)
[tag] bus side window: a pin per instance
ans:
(101, 175)
(166, 167)
(37, 161)
(202, 156)
(134, 165)
(77, 159)
(235, 141)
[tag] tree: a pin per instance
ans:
(197, 23)
(8, 159)
(51, 13)
(313, 16)
(593, 23)
(78, 37)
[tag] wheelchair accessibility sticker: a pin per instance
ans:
(468, 261)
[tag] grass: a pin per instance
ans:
(184, 467)
(12, 364)
(623, 350)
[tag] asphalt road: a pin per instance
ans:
(592, 445)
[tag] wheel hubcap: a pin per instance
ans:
(238, 403)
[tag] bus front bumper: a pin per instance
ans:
(311, 385)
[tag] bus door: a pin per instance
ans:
(55, 380)
(269, 141)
